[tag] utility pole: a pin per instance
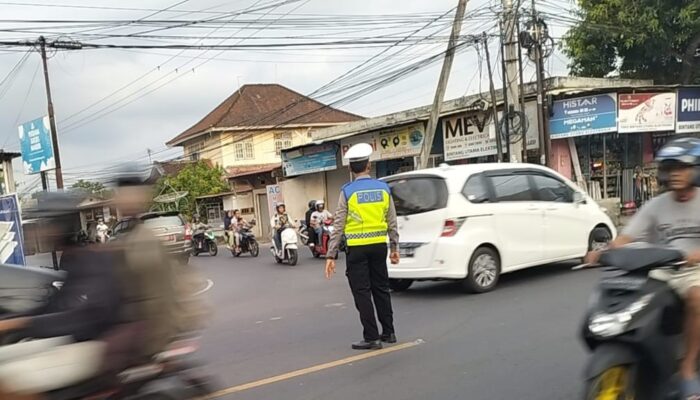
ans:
(522, 86)
(422, 160)
(505, 122)
(537, 34)
(52, 120)
(513, 75)
(492, 89)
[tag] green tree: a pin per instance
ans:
(197, 179)
(89, 187)
(640, 39)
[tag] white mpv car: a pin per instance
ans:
(475, 222)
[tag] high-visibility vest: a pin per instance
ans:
(368, 203)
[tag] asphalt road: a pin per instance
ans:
(516, 342)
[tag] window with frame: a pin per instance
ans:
(551, 189)
(513, 187)
(243, 150)
(475, 189)
(283, 140)
(194, 151)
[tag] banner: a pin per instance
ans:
(405, 141)
(36, 146)
(11, 235)
(309, 159)
(688, 113)
(646, 112)
(583, 116)
(274, 197)
(474, 135)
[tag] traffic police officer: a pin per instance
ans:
(366, 215)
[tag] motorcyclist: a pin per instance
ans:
(310, 230)
(69, 334)
(279, 222)
(102, 231)
(318, 217)
(673, 218)
(238, 224)
(229, 229)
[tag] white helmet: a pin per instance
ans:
(359, 152)
(320, 203)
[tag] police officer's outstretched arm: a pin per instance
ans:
(339, 228)
(393, 232)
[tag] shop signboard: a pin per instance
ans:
(583, 116)
(36, 146)
(11, 239)
(688, 118)
(646, 112)
(274, 197)
(309, 159)
(472, 135)
(399, 142)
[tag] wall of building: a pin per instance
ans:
(334, 181)
(298, 191)
(561, 158)
(263, 142)
(206, 146)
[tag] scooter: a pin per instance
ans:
(304, 233)
(289, 252)
(321, 248)
(247, 244)
(204, 241)
(633, 327)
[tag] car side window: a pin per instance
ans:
(512, 187)
(475, 189)
(118, 228)
(551, 189)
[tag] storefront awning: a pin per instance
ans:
(238, 172)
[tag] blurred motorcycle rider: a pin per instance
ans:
(102, 231)
(70, 332)
(158, 289)
(673, 219)
(279, 222)
(237, 225)
(310, 231)
(228, 229)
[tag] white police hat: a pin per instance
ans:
(359, 152)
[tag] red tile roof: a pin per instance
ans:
(235, 172)
(265, 105)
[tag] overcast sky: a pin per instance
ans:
(148, 120)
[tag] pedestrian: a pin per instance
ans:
(366, 216)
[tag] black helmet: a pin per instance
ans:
(312, 204)
(129, 174)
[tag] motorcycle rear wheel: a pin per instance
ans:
(615, 383)
(254, 249)
(213, 249)
(293, 257)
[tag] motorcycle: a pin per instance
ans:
(304, 234)
(204, 241)
(247, 244)
(289, 252)
(321, 248)
(633, 327)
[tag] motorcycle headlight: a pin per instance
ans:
(613, 324)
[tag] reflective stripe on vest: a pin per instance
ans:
(368, 204)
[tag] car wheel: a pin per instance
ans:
(599, 238)
(400, 285)
(484, 271)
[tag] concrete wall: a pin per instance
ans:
(334, 181)
(561, 158)
(298, 191)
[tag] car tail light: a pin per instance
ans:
(188, 232)
(451, 226)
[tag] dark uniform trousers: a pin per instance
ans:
(369, 279)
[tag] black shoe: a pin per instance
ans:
(390, 338)
(365, 345)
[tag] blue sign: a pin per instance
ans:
(11, 239)
(36, 146)
(688, 115)
(582, 116)
(310, 159)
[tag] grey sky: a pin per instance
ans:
(80, 78)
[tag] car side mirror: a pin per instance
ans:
(579, 198)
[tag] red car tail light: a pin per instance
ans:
(451, 226)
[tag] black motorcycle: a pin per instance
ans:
(247, 244)
(633, 327)
(204, 241)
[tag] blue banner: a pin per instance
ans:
(11, 239)
(36, 146)
(583, 116)
(310, 159)
(688, 115)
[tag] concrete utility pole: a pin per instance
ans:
(513, 75)
(537, 48)
(422, 160)
(492, 89)
(52, 121)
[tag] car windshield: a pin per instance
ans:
(170, 220)
(418, 195)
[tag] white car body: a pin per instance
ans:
(534, 231)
